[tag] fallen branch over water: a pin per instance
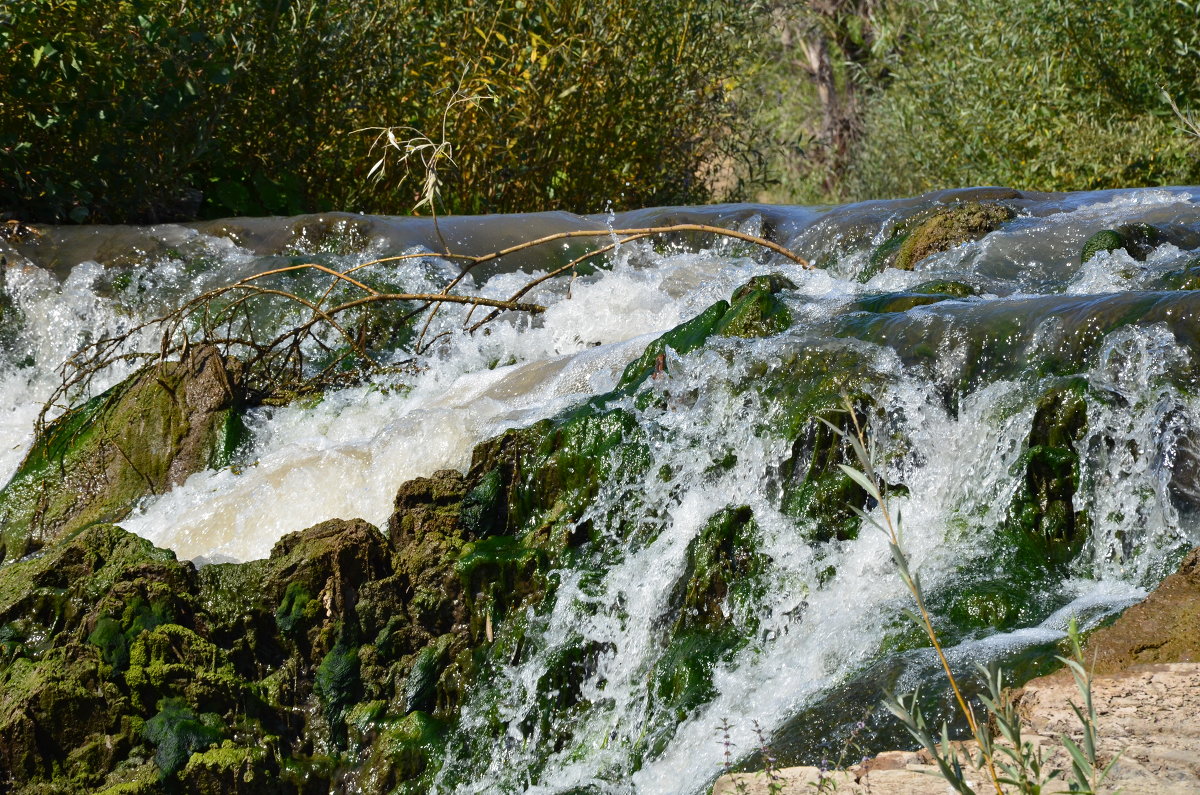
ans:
(330, 342)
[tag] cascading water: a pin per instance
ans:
(618, 679)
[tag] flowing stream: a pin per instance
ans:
(957, 385)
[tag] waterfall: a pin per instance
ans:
(617, 681)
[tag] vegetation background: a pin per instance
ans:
(147, 110)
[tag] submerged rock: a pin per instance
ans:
(141, 437)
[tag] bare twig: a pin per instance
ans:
(283, 365)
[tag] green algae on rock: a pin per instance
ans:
(1138, 240)
(141, 437)
(935, 231)
(755, 310)
(1044, 528)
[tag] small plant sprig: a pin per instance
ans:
(1017, 762)
(727, 743)
(868, 478)
(1086, 772)
(770, 762)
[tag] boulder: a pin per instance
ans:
(142, 437)
(939, 230)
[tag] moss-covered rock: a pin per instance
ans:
(951, 227)
(1043, 526)
(722, 580)
(1185, 278)
(232, 769)
(53, 707)
(101, 586)
(109, 657)
(682, 339)
(934, 231)
(314, 576)
(816, 489)
(141, 437)
(402, 753)
(552, 470)
(756, 311)
(1138, 240)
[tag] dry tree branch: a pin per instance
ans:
(283, 366)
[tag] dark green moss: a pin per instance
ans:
(756, 310)
(681, 339)
(722, 580)
(338, 685)
(480, 514)
(405, 756)
(1104, 240)
(297, 608)
(946, 287)
(114, 636)
(897, 302)
(420, 689)
(1042, 526)
(1185, 278)
(177, 733)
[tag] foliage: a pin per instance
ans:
(1060, 95)
(819, 63)
(142, 110)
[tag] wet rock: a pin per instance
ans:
(723, 567)
(55, 707)
(428, 540)
(102, 586)
(1104, 240)
(314, 576)
(949, 228)
(401, 753)
(935, 231)
(682, 339)
(921, 295)
(755, 310)
(1044, 527)
(550, 471)
(1185, 278)
(897, 302)
(1163, 628)
(946, 287)
(1138, 240)
(232, 769)
(141, 437)
(816, 489)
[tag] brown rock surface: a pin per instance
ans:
(1146, 692)
(1163, 628)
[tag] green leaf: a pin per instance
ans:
(862, 480)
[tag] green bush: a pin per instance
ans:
(143, 110)
(1056, 95)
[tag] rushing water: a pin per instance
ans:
(957, 381)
